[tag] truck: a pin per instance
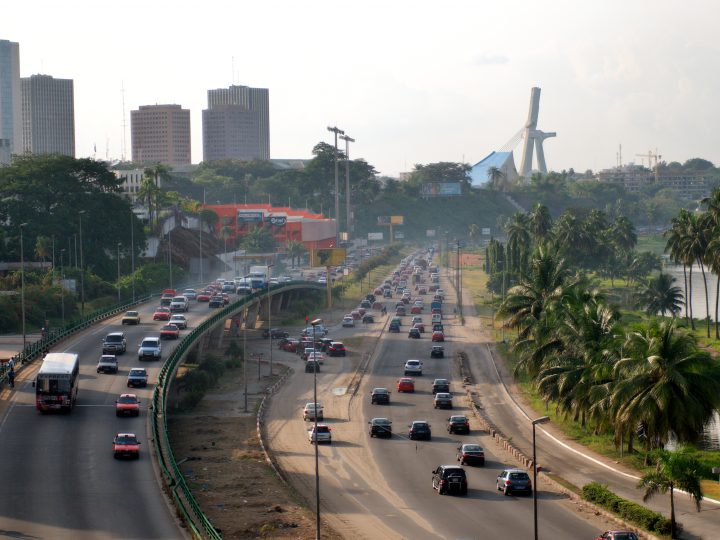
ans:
(258, 276)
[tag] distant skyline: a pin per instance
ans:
(411, 81)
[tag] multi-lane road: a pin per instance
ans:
(59, 479)
(381, 488)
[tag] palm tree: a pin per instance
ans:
(473, 231)
(660, 295)
(673, 470)
(540, 222)
(546, 283)
(698, 228)
(154, 174)
(295, 250)
(623, 233)
(665, 383)
(713, 249)
(518, 244)
(225, 233)
(568, 235)
(148, 194)
(496, 178)
(675, 247)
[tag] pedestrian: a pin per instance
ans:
(11, 363)
(11, 378)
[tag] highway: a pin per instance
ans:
(58, 474)
(373, 488)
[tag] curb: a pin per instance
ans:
(500, 440)
(259, 423)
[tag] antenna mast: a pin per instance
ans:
(124, 125)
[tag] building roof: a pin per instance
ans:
(479, 173)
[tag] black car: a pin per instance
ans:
(323, 344)
(513, 481)
(414, 333)
(419, 429)
(367, 318)
(380, 427)
(440, 385)
(312, 366)
(438, 351)
(380, 396)
(458, 424)
(215, 302)
(370, 298)
(366, 304)
(471, 454)
(447, 479)
(394, 328)
(275, 333)
(387, 293)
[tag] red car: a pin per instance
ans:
(422, 290)
(162, 314)
(415, 310)
(203, 297)
(169, 331)
(127, 405)
(126, 445)
(377, 292)
(336, 349)
(290, 345)
(436, 310)
(420, 326)
(438, 336)
(225, 298)
(406, 384)
(377, 305)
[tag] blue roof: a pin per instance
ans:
(502, 160)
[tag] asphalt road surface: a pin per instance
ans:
(381, 488)
(59, 479)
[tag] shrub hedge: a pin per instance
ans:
(634, 513)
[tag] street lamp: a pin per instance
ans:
(62, 287)
(337, 131)
(132, 251)
(269, 301)
(317, 470)
(348, 219)
(22, 286)
(170, 256)
(118, 281)
(541, 420)
(245, 358)
(82, 269)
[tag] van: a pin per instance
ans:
(436, 318)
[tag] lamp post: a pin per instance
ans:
(317, 470)
(348, 218)
(22, 286)
(62, 287)
(82, 269)
(118, 261)
(132, 251)
(269, 302)
(541, 420)
(337, 131)
(170, 256)
(245, 358)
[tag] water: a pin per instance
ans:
(710, 438)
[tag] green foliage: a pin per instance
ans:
(600, 495)
(196, 382)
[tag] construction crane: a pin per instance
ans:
(650, 156)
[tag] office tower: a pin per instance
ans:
(48, 115)
(10, 101)
(160, 134)
(236, 124)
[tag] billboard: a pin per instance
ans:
(327, 257)
(397, 220)
(383, 220)
(375, 236)
(399, 235)
(430, 233)
(276, 220)
(249, 216)
(485, 231)
(441, 189)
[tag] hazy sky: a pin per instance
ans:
(411, 81)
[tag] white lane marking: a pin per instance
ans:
(558, 441)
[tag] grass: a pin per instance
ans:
(654, 243)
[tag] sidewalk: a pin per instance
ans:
(505, 404)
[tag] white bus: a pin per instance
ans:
(56, 383)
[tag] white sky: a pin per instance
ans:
(411, 81)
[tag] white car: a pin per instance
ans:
(318, 356)
(178, 320)
(323, 434)
(311, 410)
(413, 367)
(190, 294)
(348, 322)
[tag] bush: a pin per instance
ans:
(627, 510)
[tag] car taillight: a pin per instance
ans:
(508, 482)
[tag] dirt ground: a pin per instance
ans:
(226, 468)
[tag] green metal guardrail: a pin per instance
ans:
(185, 501)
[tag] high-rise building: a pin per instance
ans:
(160, 134)
(236, 124)
(48, 115)
(10, 100)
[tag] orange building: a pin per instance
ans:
(313, 230)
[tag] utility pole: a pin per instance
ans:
(348, 215)
(337, 131)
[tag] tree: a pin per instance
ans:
(295, 250)
(676, 247)
(519, 241)
(473, 231)
(259, 240)
(155, 173)
(660, 295)
(444, 171)
(665, 383)
(540, 222)
(43, 247)
(673, 470)
(496, 179)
